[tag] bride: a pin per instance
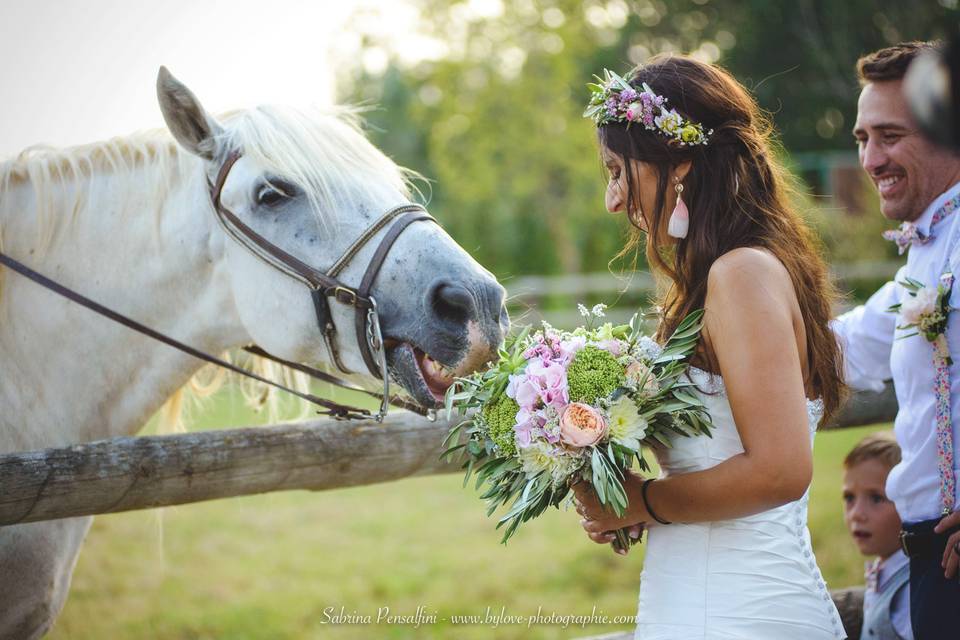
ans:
(728, 550)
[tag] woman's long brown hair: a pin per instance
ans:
(737, 195)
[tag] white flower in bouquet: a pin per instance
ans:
(625, 426)
(542, 456)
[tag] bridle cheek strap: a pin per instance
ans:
(325, 285)
(363, 322)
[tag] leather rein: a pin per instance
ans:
(322, 285)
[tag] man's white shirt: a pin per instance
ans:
(875, 351)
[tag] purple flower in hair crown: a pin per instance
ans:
(613, 99)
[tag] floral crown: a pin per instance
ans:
(612, 99)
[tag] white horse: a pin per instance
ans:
(129, 222)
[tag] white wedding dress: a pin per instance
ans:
(747, 578)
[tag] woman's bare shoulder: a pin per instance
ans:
(747, 268)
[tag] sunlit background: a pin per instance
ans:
(75, 72)
(484, 99)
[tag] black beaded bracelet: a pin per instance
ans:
(646, 503)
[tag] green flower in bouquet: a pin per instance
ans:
(594, 373)
(501, 416)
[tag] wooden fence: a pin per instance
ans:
(122, 474)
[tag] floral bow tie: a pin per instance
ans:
(906, 235)
(871, 574)
(909, 234)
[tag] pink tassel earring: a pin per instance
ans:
(680, 218)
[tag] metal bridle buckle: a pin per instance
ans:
(375, 342)
(345, 296)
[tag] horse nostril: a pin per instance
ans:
(453, 302)
(496, 304)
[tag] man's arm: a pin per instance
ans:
(866, 336)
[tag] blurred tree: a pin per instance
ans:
(495, 117)
(497, 124)
(798, 57)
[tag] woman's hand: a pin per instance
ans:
(600, 522)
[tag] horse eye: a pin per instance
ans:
(274, 191)
(269, 196)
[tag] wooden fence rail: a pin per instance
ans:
(122, 474)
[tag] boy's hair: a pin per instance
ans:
(877, 446)
(891, 63)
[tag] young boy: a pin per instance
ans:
(875, 527)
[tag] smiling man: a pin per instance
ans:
(919, 186)
(909, 171)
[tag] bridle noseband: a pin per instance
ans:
(326, 285)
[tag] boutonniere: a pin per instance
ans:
(926, 311)
(927, 308)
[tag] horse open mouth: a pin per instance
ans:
(426, 379)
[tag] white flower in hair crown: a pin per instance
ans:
(613, 99)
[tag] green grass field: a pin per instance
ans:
(287, 565)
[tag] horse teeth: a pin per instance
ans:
(437, 369)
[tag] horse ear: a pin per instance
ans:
(188, 122)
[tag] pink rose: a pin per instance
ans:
(527, 392)
(638, 372)
(569, 348)
(553, 381)
(635, 371)
(614, 347)
(634, 111)
(512, 386)
(529, 424)
(555, 397)
(554, 376)
(526, 422)
(581, 425)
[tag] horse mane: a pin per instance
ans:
(323, 151)
(49, 170)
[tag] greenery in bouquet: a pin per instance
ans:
(559, 407)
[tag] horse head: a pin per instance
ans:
(311, 184)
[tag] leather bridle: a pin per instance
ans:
(322, 286)
(326, 285)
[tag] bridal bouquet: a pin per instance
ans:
(559, 407)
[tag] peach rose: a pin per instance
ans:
(581, 425)
(638, 372)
